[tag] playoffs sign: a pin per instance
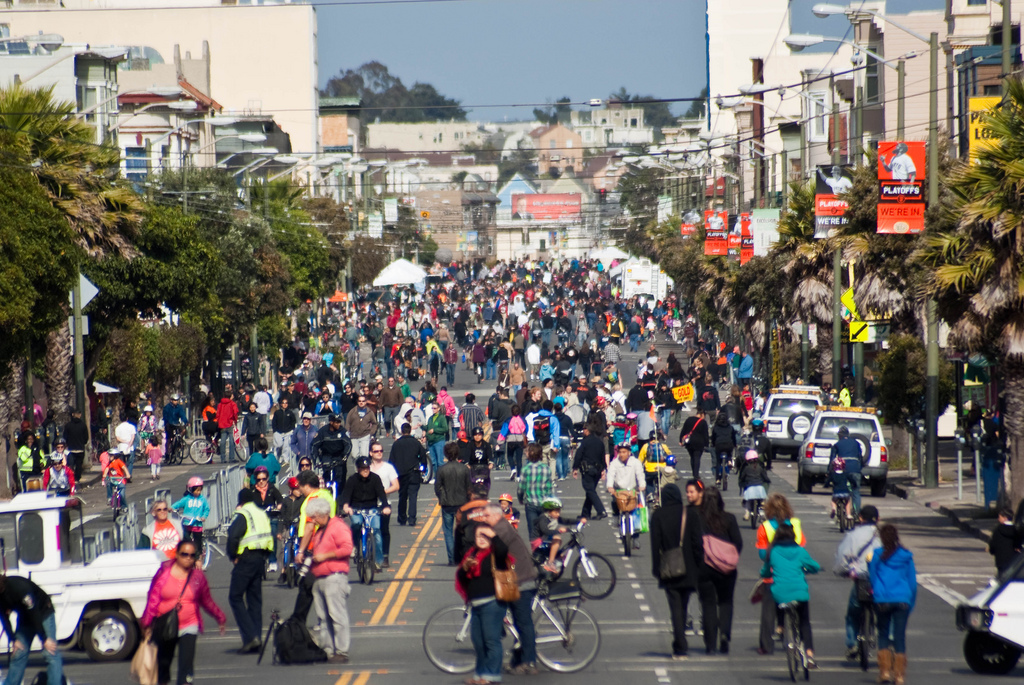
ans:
(716, 233)
(901, 174)
(829, 209)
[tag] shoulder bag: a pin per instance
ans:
(720, 554)
(673, 563)
(506, 583)
(165, 626)
(686, 438)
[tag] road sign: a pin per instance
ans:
(859, 331)
(424, 214)
(847, 301)
(89, 291)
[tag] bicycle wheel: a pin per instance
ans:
(201, 451)
(570, 642)
(864, 639)
(595, 575)
(627, 537)
(366, 568)
(789, 637)
(447, 642)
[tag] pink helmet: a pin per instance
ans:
(751, 455)
(195, 482)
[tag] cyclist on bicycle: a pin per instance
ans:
(850, 450)
(548, 528)
(852, 562)
(195, 508)
(58, 476)
(330, 449)
(723, 439)
(836, 477)
(786, 563)
(364, 492)
(115, 475)
(655, 456)
(626, 475)
(174, 418)
(753, 481)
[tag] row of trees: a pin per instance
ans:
(971, 261)
(215, 271)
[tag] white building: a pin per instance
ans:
(266, 53)
(612, 126)
(425, 136)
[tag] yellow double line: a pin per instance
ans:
(410, 568)
(346, 678)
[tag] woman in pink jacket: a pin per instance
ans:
(180, 583)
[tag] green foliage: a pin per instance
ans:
(140, 357)
(639, 190)
(902, 380)
(386, 98)
(698, 107)
(656, 114)
(554, 113)
(368, 258)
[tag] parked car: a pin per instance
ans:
(864, 427)
(97, 604)
(787, 416)
(994, 621)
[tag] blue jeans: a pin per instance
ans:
(891, 617)
(450, 373)
(378, 540)
(448, 526)
(54, 662)
(227, 445)
(492, 370)
(522, 617)
(854, 480)
(514, 456)
(486, 630)
(665, 420)
(436, 455)
(562, 459)
(634, 342)
(854, 618)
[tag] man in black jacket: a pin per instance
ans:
(407, 456)
(365, 490)
(35, 619)
(76, 434)
(451, 485)
(330, 449)
(590, 462)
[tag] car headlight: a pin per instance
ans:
(974, 618)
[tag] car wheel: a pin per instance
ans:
(803, 485)
(878, 487)
(988, 655)
(110, 636)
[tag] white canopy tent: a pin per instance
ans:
(608, 254)
(400, 272)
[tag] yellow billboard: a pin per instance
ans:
(978, 134)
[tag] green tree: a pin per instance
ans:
(657, 113)
(384, 97)
(698, 107)
(554, 113)
(902, 380)
(639, 190)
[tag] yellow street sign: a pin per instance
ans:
(859, 331)
(424, 214)
(847, 301)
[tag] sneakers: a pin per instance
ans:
(251, 647)
(513, 476)
(338, 659)
(852, 653)
(386, 563)
(746, 516)
(553, 566)
(273, 567)
(376, 568)
(636, 543)
(680, 657)
(522, 669)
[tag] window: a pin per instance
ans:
(632, 122)
(817, 113)
(551, 143)
(543, 244)
(568, 143)
(976, 2)
(871, 80)
(135, 163)
(993, 90)
(30, 538)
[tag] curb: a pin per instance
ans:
(967, 525)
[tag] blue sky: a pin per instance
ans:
(504, 52)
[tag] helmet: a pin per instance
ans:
(505, 497)
(843, 432)
(56, 458)
(670, 460)
(60, 441)
(600, 401)
(620, 418)
(293, 483)
(757, 424)
(551, 503)
(362, 463)
(195, 482)
(751, 455)
(838, 465)
(175, 397)
(148, 407)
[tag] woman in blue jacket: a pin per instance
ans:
(894, 585)
(786, 563)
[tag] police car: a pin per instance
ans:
(994, 621)
(864, 427)
(787, 416)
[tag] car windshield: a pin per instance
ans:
(784, 407)
(829, 426)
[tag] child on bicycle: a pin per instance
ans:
(511, 513)
(154, 457)
(836, 477)
(786, 563)
(548, 528)
(753, 479)
(115, 475)
(195, 508)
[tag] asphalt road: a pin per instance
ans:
(388, 617)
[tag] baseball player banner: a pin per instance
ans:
(716, 233)
(829, 208)
(689, 223)
(746, 239)
(901, 174)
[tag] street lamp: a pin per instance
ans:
(931, 473)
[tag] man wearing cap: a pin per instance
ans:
(408, 456)
(302, 437)
(852, 562)
(331, 449)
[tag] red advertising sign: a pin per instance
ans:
(901, 173)
(829, 209)
(746, 239)
(716, 230)
(735, 239)
(547, 206)
(689, 225)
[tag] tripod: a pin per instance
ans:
(275, 621)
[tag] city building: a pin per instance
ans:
(266, 53)
(340, 125)
(425, 136)
(460, 220)
(614, 126)
(559, 149)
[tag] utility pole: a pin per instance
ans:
(79, 346)
(931, 471)
(1007, 41)
(837, 259)
(901, 74)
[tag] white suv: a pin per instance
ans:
(864, 427)
(787, 416)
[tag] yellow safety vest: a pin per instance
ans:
(770, 530)
(322, 492)
(258, 535)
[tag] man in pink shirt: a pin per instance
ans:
(332, 547)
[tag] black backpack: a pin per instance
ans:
(294, 645)
(542, 429)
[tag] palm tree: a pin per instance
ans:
(80, 179)
(976, 269)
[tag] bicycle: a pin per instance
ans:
(193, 529)
(626, 531)
(594, 574)
(568, 638)
(757, 516)
(796, 652)
(365, 552)
(175, 445)
(866, 636)
(843, 519)
(117, 499)
(202, 450)
(291, 550)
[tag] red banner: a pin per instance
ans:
(746, 239)
(547, 206)
(716, 230)
(901, 173)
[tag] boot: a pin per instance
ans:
(885, 665)
(900, 669)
